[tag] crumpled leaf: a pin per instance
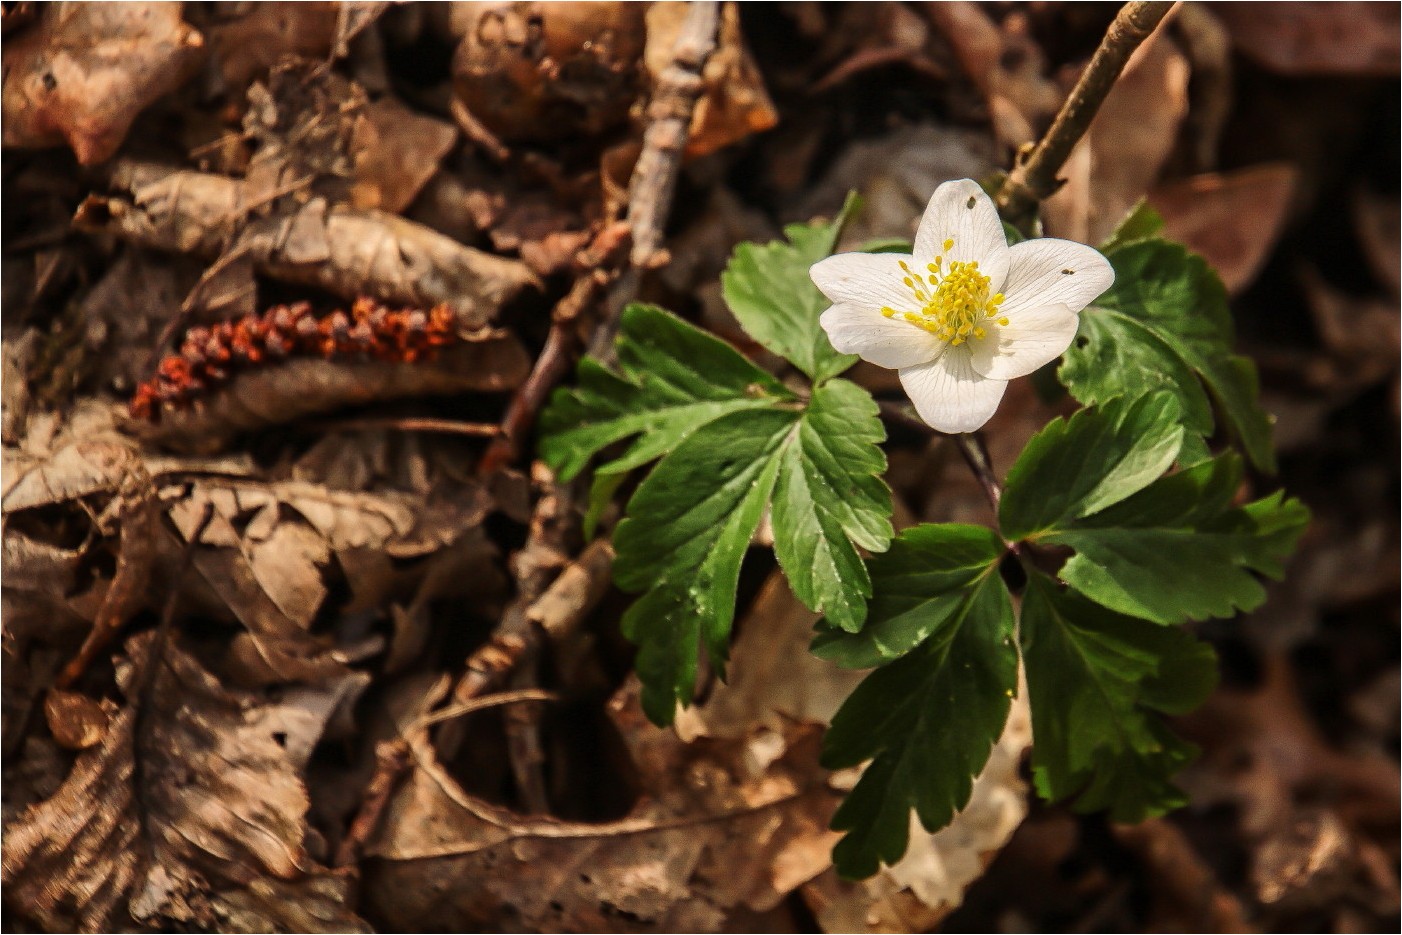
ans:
(189, 814)
(1317, 38)
(1232, 218)
(739, 836)
(88, 69)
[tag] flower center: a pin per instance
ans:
(954, 304)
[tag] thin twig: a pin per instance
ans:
(1033, 179)
(391, 760)
(550, 367)
(654, 179)
(409, 424)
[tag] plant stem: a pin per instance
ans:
(1033, 179)
(975, 451)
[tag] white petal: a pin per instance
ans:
(886, 342)
(1031, 338)
(949, 395)
(868, 279)
(1054, 272)
(961, 211)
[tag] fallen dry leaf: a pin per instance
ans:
(188, 814)
(1231, 218)
(1348, 38)
(247, 39)
(396, 150)
(736, 833)
(88, 69)
(547, 71)
(1120, 157)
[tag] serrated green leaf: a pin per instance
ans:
(916, 587)
(1141, 223)
(768, 289)
(1164, 325)
(687, 529)
(1096, 458)
(1177, 551)
(831, 500)
(673, 378)
(928, 722)
(1095, 680)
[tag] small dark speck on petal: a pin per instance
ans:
(1068, 272)
(970, 203)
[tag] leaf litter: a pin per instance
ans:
(354, 566)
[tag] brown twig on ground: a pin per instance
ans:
(408, 424)
(139, 513)
(391, 760)
(654, 179)
(550, 367)
(1033, 179)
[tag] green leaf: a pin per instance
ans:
(917, 586)
(1141, 223)
(928, 722)
(1096, 458)
(1164, 325)
(1178, 551)
(1095, 680)
(831, 500)
(673, 378)
(687, 529)
(768, 288)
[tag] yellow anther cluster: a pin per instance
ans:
(956, 305)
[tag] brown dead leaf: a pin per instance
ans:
(396, 150)
(717, 831)
(77, 721)
(1362, 334)
(1231, 218)
(85, 73)
(1348, 38)
(188, 815)
(1120, 157)
(1378, 220)
(547, 71)
(247, 39)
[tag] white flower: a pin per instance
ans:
(965, 313)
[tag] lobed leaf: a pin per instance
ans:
(768, 289)
(927, 722)
(672, 379)
(831, 500)
(1095, 680)
(1164, 326)
(1096, 458)
(917, 586)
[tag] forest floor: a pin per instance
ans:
(299, 636)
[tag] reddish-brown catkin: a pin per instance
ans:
(209, 356)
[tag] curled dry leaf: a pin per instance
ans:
(490, 360)
(734, 103)
(1232, 218)
(247, 39)
(547, 71)
(189, 814)
(88, 69)
(1317, 38)
(338, 248)
(396, 150)
(734, 834)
